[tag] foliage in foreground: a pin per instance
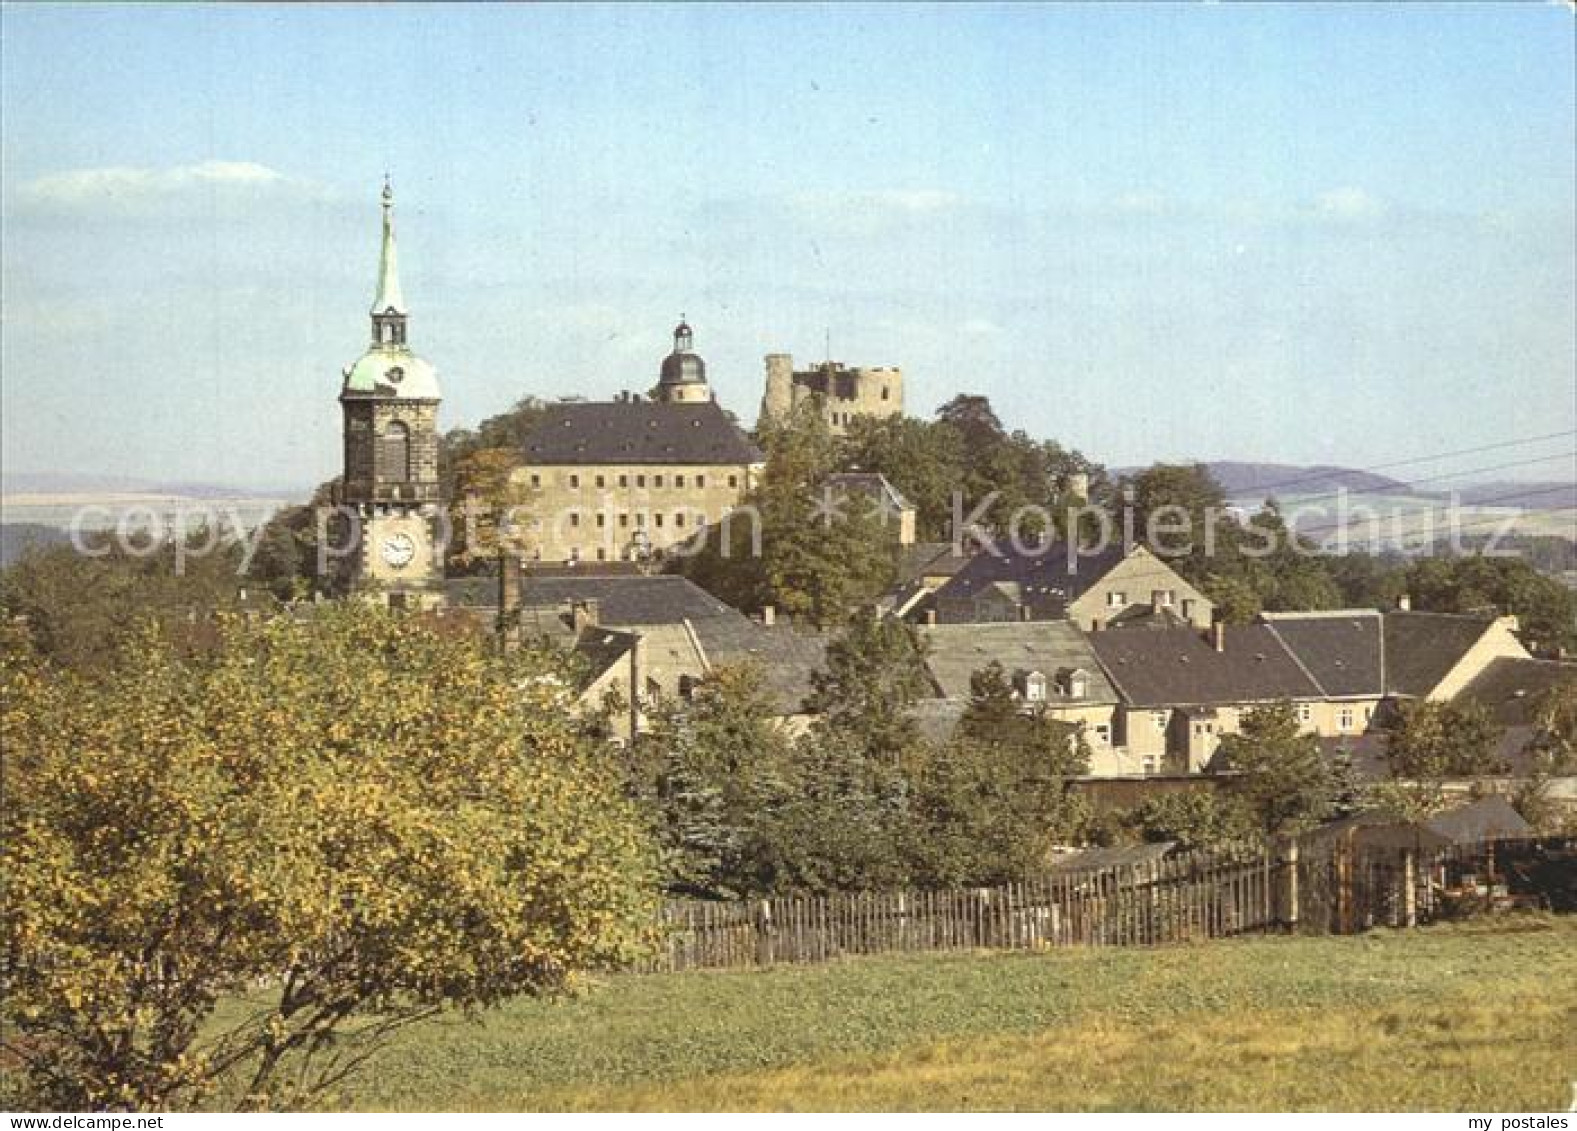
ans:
(372, 820)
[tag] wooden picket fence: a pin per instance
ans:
(1184, 897)
(1194, 895)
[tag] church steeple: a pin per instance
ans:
(388, 306)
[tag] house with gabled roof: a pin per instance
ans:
(1052, 669)
(1093, 589)
(1181, 690)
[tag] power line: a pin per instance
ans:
(1317, 476)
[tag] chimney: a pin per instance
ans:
(1218, 635)
(1404, 603)
(583, 613)
(508, 598)
(769, 615)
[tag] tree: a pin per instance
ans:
(998, 719)
(1432, 743)
(872, 675)
(1545, 609)
(721, 767)
(922, 460)
(373, 820)
(487, 506)
(1195, 819)
(818, 559)
(1284, 780)
(79, 609)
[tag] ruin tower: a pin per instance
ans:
(842, 391)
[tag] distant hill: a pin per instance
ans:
(1257, 480)
(1553, 495)
(79, 483)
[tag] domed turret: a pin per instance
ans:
(683, 379)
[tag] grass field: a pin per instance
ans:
(1480, 1017)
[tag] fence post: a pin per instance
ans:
(1409, 888)
(1289, 859)
(764, 933)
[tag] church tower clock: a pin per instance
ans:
(390, 404)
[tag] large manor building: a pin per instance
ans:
(630, 478)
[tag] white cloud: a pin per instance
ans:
(979, 327)
(128, 185)
(1348, 204)
(869, 209)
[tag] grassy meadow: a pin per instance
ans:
(1476, 1017)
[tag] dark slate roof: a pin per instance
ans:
(629, 432)
(1041, 571)
(628, 601)
(929, 559)
(786, 656)
(956, 651)
(1508, 688)
(1420, 648)
(872, 484)
(1179, 667)
(1340, 649)
(1488, 818)
(602, 648)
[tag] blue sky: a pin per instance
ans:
(1306, 234)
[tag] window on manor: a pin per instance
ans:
(640, 480)
(574, 518)
(394, 453)
(733, 481)
(624, 520)
(1116, 600)
(624, 481)
(574, 481)
(602, 519)
(678, 481)
(602, 481)
(700, 481)
(679, 518)
(1344, 719)
(536, 481)
(658, 519)
(657, 481)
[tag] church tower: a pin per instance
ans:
(390, 403)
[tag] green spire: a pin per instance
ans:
(389, 296)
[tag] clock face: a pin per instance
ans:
(398, 550)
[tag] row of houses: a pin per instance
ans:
(1116, 643)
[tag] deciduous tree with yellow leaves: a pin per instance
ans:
(344, 826)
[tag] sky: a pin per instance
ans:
(1274, 233)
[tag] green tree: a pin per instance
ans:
(1432, 743)
(722, 766)
(818, 559)
(1283, 779)
(870, 679)
(373, 820)
(1195, 819)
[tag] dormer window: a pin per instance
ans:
(1032, 685)
(1074, 683)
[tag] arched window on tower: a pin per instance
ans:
(394, 453)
